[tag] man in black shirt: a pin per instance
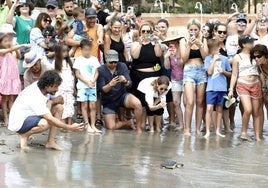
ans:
(102, 16)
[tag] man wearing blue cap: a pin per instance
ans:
(102, 16)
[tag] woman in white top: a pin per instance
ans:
(155, 90)
(245, 73)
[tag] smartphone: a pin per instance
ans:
(157, 28)
(150, 37)
(192, 35)
(22, 1)
(265, 9)
(83, 125)
(172, 47)
(116, 74)
(130, 10)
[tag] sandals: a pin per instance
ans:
(98, 122)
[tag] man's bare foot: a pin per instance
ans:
(53, 146)
(152, 130)
(131, 124)
(23, 141)
(158, 130)
(198, 133)
(219, 134)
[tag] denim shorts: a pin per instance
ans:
(87, 94)
(113, 107)
(195, 74)
(29, 123)
(177, 85)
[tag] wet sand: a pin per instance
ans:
(124, 159)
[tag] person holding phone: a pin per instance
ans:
(193, 52)
(146, 61)
(154, 91)
(112, 82)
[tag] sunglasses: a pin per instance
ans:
(257, 56)
(205, 31)
(47, 20)
(241, 24)
(24, 5)
(163, 89)
(113, 62)
(51, 7)
(146, 31)
(222, 32)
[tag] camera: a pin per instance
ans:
(157, 28)
(22, 1)
(130, 10)
(150, 37)
(192, 35)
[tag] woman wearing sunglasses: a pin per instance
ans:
(146, 55)
(248, 86)
(261, 32)
(260, 54)
(36, 37)
(193, 50)
(154, 91)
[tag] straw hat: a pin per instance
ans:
(172, 36)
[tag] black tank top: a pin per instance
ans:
(195, 54)
(147, 58)
(119, 47)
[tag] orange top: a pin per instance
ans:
(92, 32)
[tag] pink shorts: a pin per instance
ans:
(249, 89)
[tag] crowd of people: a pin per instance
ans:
(113, 70)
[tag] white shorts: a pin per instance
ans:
(177, 85)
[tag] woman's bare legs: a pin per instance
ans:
(247, 111)
(256, 113)
(189, 92)
(200, 99)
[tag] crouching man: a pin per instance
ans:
(34, 113)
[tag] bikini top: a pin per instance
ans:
(195, 54)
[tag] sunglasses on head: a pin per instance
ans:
(257, 56)
(146, 31)
(50, 7)
(222, 32)
(163, 89)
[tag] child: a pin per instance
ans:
(10, 84)
(217, 67)
(86, 72)
(64, 66)
(78, 27)
(232, 40)
(174, 62)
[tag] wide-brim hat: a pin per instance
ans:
(173, 36)
(30, 59)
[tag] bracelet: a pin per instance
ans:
(230, 89)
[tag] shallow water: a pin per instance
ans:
(124, 159)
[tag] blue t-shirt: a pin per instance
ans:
(217, 81)
(105, 76)
(78, 27)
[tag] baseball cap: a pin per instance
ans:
(90, 12)
(52, 3)
(246, 39)
(112, 56)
